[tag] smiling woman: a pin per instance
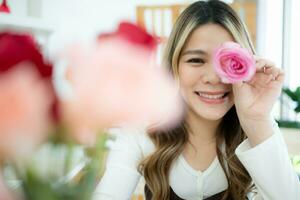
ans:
(197, 75)
(227, 146)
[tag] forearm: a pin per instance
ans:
(269, 166)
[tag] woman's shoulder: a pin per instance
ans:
(132, 139)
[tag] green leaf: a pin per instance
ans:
(37, 189)
(297, 109)
(297, 93)
(291, 94)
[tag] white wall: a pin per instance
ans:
(85, 16)
(269, 30)
(294, 45)
(100, 15)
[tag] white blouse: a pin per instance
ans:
(268, 164)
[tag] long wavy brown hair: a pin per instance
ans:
(170, 143)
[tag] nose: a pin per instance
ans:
(210, 76)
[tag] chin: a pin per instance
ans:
(212, 116)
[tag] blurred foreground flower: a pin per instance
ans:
(25, 102)
(33, 165)
(26, 96)
(116, 83)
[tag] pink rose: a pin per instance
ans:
(233, 63)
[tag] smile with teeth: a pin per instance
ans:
(209, 96)
(212, 98)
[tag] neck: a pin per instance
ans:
(201, 131)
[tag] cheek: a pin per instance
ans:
(188, 75)
(189, 78)
(186, 81)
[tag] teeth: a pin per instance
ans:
(219, 96)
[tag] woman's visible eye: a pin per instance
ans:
(195, 61)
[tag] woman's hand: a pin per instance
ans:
(254, 100)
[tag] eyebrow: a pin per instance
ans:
(196, 51)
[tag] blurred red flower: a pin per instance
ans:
(133, 34)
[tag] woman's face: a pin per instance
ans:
(204, 93)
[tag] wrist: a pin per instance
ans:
(258, 131)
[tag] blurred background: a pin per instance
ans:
(273, 24)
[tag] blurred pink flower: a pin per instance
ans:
(234, 63)
(115, 82)
(27, 98)
(25, 101)
(27, 51)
